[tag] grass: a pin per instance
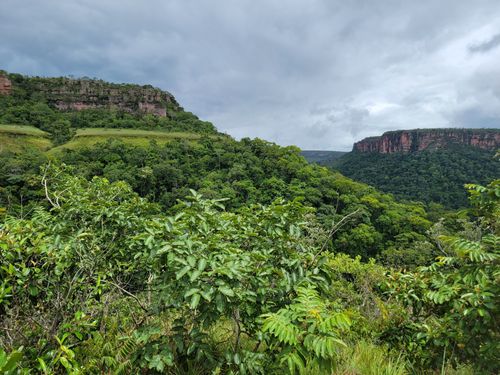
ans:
(16, 138)
(127, 133)
(365, 358)
(89, 136)
(22, 130)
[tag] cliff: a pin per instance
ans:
(421, 139)
(84, 93)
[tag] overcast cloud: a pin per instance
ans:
(318, 74)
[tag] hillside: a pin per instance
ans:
(16, 138)
(317, 156)
(429, 139)
(135, 242)
(424, 165)
(162, 157)
(61, 105)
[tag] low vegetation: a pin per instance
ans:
(17, 138)
(103, 281)
(131, 243)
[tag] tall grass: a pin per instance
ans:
(365, 358)
(16, 138)
(22, 130)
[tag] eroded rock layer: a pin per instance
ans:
(422, 139)
(78, 94)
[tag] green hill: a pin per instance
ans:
(431, 175)
(319, 156)
(61, 105)
(87, 137)
(135, 238)
(16, 138)
(97, 130)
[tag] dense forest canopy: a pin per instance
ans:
(427, 176)
(202, 254)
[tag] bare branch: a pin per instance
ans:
(44, 183)
(128, 294)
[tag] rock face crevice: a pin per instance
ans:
(5, 85)
(406, 141)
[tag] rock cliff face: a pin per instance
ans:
(5, 85)
(79, 94)
(422, 139)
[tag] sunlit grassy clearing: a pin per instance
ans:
(16, 138)
(22, 130)
(119, 133)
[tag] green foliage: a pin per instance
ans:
(368, 359)
(100, 280)
(112, 264)
(8, 362)
(34, 100)
(246, 172)
(307, 333)
(453, 305)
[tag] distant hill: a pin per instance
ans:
(424, 139)
(59, 106)
(317, 156)
(428, 165)
(15, 138)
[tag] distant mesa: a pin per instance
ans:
(407, 141)
(78, 94)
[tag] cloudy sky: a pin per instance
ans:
(316, 73)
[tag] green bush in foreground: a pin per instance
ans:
(105, 282)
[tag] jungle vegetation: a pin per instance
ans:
(430, 176)
(200, 254)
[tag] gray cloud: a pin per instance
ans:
(486, 46)
(320, 74)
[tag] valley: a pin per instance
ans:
(137, 238)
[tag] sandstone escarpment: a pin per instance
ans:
(422, 139)
(79, 94)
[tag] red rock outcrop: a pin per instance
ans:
(422, 139)
(79, 94)
(5, 85)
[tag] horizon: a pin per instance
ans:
(320, 75)
(302, 149)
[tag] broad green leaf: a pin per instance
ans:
(195, 300)
(226, 291)
(182, 272)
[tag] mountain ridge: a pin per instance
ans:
(426, 165)
(407, 141)
(65, 93)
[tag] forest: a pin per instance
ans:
(202, 254)
(430, 176)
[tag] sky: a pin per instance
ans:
(320, 74)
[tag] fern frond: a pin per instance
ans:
(335, 322)
(323, 346)
(294, 361)
(281, 327)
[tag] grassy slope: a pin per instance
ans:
(15, 138)
(90, 136)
